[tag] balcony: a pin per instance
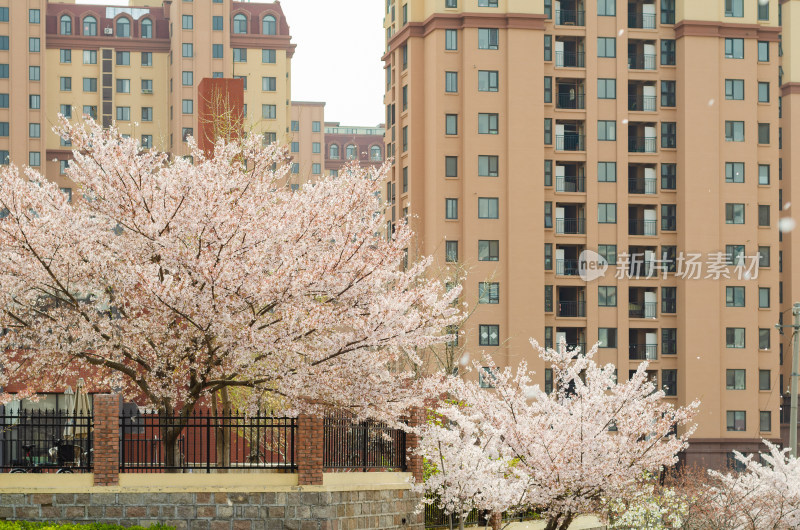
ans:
(570, 184)
(642, 20)
(642, 227)
(571, 309)
(643, 262)
(642, 144)
(643, 303)
(643, 310)
(570, 142)
(566, 225)
(567, 100)
(639, 103)
(642, 61)
(643, 352)
(567, 267)
(570, 17)
(642, 186)
(570, 59)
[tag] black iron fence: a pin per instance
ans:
(435, 517)
(362, 446)
(204, 442)
(44, 441)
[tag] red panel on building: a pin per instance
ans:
(220, 104)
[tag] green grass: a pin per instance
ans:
(26, 525)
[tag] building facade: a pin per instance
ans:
(138, 67)
(645, 134)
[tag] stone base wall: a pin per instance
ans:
(294, 510)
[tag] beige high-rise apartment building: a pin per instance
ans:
(526, 132)
(138, 66)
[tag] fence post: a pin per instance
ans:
(106, 439)
(310, 443)
(414, 461)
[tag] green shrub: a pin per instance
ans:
(27, 525)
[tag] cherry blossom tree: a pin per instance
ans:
(765, 495)
(175, 278)
(590, 439)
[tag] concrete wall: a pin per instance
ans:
(217, 501)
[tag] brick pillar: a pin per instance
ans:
(106, 439)
(496, 520)
(310, 434)
(416, 417)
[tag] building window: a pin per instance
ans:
(488, 250)
(65, 84)
(607, 8)
(548, 47)
(123, 58)
(405, 97)
(606, 89)
(351, 152)
(488, 208)
(451, 3)
(451, 209)
(606, 46)
(147, 113)
(147, 141)
(735, 254)
(764, 341)
(316, 169)
(548, 214)
(124, 26)
(239, 24)
(548, 173)
(734, 89)
(734, 48)
(763, 92)
(487, 3)
(668, 98)
(669, 134)
(764, 416)
(734, 172)
(763, 174)
(451, 166)
(606, 296)
(65, 25)
(123, 86)
(489, 335)
(669, 382)
(66, 111)
(548, 256)
(488, 293)
(608, 252)
(405, 139)
(147, 29)
(451, 251)
(316, 147)
(123, 113)
(763, 133)
(34, 130)
(548, 372)
(734, 8)
(90, 84)
(451, 82)
(451, 124)
(269, 25)
(268, 56)
(295, 147)
(486, 377)
(316, 126)
(548, 131)
(89, 26)
(669, 300)
(405, 180)
(65, 56)
(4, 42)
(668, 52)
(187, 106)
(34, 73)
(187, 49)
(607, 212)
(763, 215)
(34, 101)
(217, 51)
(734, 337)
(763, 297)
(763, 257)
(606, 171)
(333, 152)
(488, 165)
(488, 38)
(33, 44)
(268, 84)
(63, 165)
(669, 341)
(450, 39)
(763, 51)
(606, 130)
(734, 131)
(3, 70)
(34, 158)
(187, 78)
(734, 296)
(89, 56)
(734, 379)
(269, 112)
(488, 123)
(668, 176)
(488, 80)
(607, 337)
(734, 213)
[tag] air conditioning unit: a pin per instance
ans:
(108, 31)
(147, 91)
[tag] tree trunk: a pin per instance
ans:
(450, 520)
(170, 434)
(560, 521)
(461, 521)
(222, 434)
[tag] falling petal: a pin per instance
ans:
(625, 121)
(464, 359)
(786, 224)
(621, 32)
(711, 102)
(787, 206)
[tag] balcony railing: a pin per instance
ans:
(642, 227)
(642, 144)
(571, 101)
(643, 310)
(572, 17)
(642, 103)
(642, 61)
(571, 59)
(641, 186)
(571, 309)
(572, 345)
(642, 20)
(571, 184)
(643, 352)
(570, 226)
(641, 269)
(571, 142)
(567, 267)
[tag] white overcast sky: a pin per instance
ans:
(338, 56)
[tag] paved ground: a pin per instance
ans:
(582, 523)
